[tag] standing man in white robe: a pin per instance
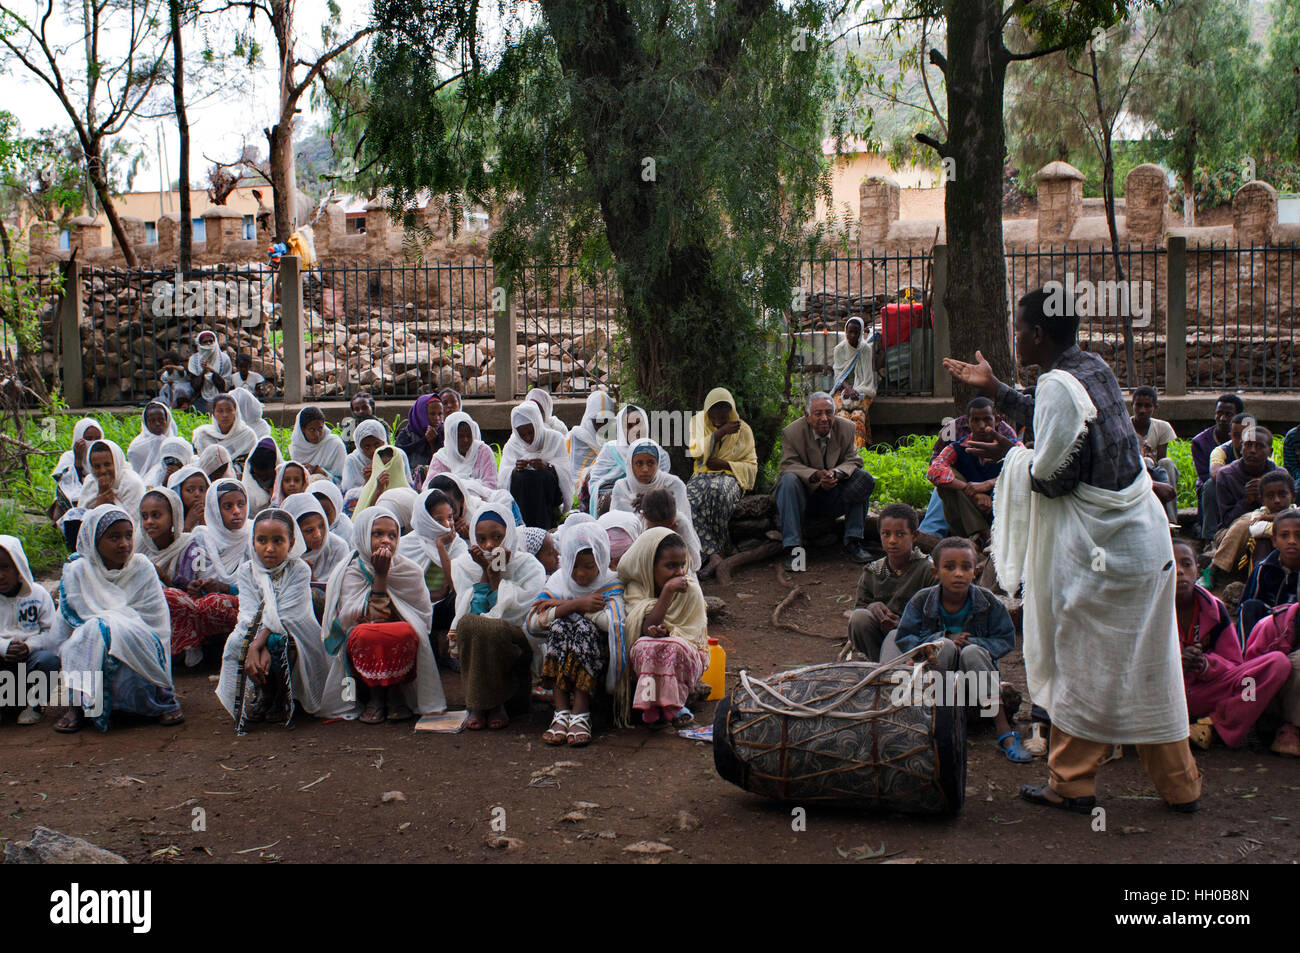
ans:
(1077, 523)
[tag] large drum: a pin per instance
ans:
(856, 733)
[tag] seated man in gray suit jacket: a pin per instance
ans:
(821, 473)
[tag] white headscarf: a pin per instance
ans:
(128, 488)
(863, 376)
(586, 439)
(65, 471)
(223, 549)
(354, 467)
(250, 410)
(346, 597)
(177, 447)
(628, 488)
(333, 551)
(542, 397)
(184, 473)
(342, 525)
(258, 498)
(14, 547)
(621, 521)
(521, 580)
(277, 491)
(213, 459)
(165, 559)
(421, 544)
(145, 451)
(546, 445)
(129, 602)
(330, 454)
(575, 540)
(611, 462)
(399, 501)
(238, 441)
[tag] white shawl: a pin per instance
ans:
(342, 525)
(330, 454)
(128, 602)
(145, 451)
(238, 441)
(128, 488)
(277, 489)
(222, 549)
(463, 468)
(612, 459)
(332, 552)
(250, 411)
(586, 439)
(65, 471)
(177, 447)
(542, 397)
(627, 489)
(346, 598)
(521, 580)
(863, 378)
(258, 498)
(283, 595)
(421, 544)
(1100, 634)
(547, 445)
(165, 559)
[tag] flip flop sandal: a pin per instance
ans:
(1016, 752)
(171, 718)
(64, 727)
(401, 713)
(377, 716)
(1034, 794)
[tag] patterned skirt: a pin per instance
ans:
(195, 621)
(383, 653)
(861, 422)
(666, 671)
(577, 654)
(713, 498)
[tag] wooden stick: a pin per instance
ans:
(784, 604)
(765, 551)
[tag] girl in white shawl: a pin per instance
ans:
(579, 615)
(535, 468)
(496, 583)
(542, 398)
(611, 462)
(330, 498)
(162, 537)
(465, 456)
(114, 623)
(855, 362)
(208, 606)
(111, 480)
(647, 469)
(175, 453)
(622, 528)
(291, 479)
(586, 439)
(285, 661)
(317, 447)
(433, 544)
(369, 436)
(211, 367)
(156, 425)
(73, 467)
(250, 412)
(260, 471)
(324, 551)
(228, 430)
(191, 485)
(376, 628)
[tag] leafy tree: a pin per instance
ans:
(1279, 84)
(678, 143)
(1198, 84)
(99, 95)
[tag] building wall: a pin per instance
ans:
(922, 190)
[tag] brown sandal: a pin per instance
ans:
(373, 715)
(171, 718)
(73, 720)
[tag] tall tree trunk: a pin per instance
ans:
(976, 297)
(183, 129)
(94, 172)
(280, 154)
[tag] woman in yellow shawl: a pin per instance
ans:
(726, 464)
(666, 623)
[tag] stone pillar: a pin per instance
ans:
(223, 225)
(332, 224)
(1254, 213)
(378, 228)
(291, 325)
(70, 307)
(1176, 318)
(1060, 200)
(86, 233)
(134, 228)
(878, 199)
(1146, 196)
(169, 238)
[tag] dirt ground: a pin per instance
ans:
(315, 793)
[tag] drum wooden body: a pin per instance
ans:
(871, 752)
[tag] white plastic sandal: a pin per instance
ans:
(558, 733)
(579, 734)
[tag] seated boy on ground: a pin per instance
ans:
(964, 481)
(248, 378)
(176, 391)
(887, 584)
(972, 628)
(1273, 583)
(1250, 537)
